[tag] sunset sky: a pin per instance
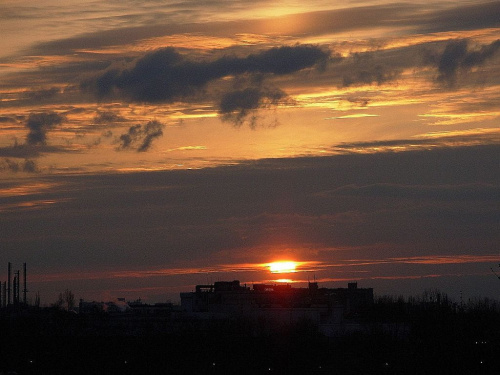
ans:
(148, 146)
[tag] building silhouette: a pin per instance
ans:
(279, 302)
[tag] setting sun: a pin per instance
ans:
(282, 267)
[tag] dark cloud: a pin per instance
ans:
(474, 58)
(11, 165)
(281, 60)
(44, 94)
(450, 60)
(151, 131)
(107, 117)
(377, 74)
(377, 66)
(21, 151)
(39, 124)
(423, 143)
(7, 119)
(458, 57)
(127, 138)
(462, 17)
(236, 105)
(166, 75)
(28, 166)
(141, 137)
(104, 84)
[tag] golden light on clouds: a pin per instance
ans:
(494, 133)
(355, 115)
(484, 35)
(28, 189)
(459, 118)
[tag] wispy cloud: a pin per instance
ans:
(235, 106)
(457, 58)
(302, 267)
(39, 124)
(141, 137)
(28, 165)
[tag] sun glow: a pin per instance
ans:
(282, 267)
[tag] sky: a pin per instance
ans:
(149, 146)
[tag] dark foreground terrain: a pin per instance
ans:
(398, 338)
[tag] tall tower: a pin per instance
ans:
(8, 283)
(25, 290)
(14, 289)
(3, 302)
(18, 289)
